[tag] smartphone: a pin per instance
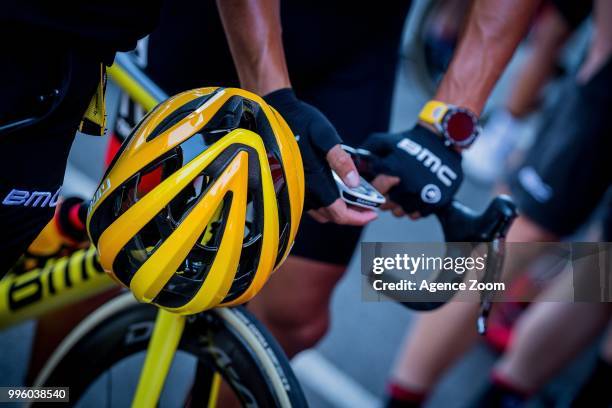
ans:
(363, 160)
(364, 195)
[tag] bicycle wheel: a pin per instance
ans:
(416, 61)
(102, 357)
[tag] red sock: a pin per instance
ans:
(401, 395)
(505, 384)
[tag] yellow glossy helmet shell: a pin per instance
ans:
(201, 203)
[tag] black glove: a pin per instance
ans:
(430, 172)
(315, 136)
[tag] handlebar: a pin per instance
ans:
(462, 225)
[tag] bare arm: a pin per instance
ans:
(493, 31)
(253, 30)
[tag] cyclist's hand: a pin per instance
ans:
(427, 173)
(319, 145)
(384, 183)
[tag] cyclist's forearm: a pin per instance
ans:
(493, 31)
(253, 30)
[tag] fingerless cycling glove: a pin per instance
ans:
(315, 136)
(430, 172)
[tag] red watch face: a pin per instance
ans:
(460, 126)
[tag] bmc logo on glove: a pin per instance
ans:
(429, 160)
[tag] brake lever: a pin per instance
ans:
(496, 254)
(495, 263)
(461, 224)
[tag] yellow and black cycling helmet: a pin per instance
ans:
(202, 201)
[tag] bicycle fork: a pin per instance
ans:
(160, 353)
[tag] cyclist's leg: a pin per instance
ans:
(294, 305)
(426, 353)
(543, 335)
(544, 342)
(437, 339)
(595, 391)
(557, 189)
(32, 169)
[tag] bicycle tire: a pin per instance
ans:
(229, 341)
(414, 63)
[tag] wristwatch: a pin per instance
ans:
(458, 126)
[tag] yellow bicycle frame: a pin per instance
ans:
(60, 282)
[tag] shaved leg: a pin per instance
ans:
(439, 338)
(294, 304)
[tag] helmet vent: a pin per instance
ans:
(179, 114)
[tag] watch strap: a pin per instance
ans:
(433, 112)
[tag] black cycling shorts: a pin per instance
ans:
(342, 58)
(569, 169)
(34, 156)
